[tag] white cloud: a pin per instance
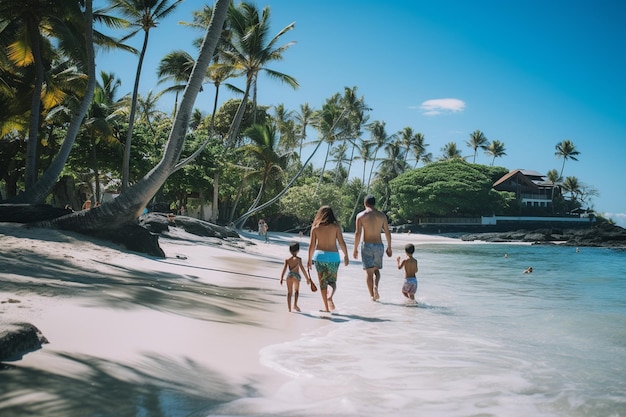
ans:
(618, 218)
(439, 106)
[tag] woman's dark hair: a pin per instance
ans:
(324, 215)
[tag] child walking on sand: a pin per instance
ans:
(409, 263)
(294, 263)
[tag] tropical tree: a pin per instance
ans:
(327, 121)
(477, 140)
(303, 118)
(128, 206)
(143, 15)
(250, 49)
(263, 148)
(566, 150)
(38, 191)
(448, 188)
(339, 157)
(495, 149)
(355, 121)
(175, 67)
(418, 149)
(392, 166)
(101, 119)
(450, 151)
(379, 138)
(27, 27)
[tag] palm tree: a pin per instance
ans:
(101, 118)
(143, 15)
(555, 179)
(573, 187)
(379, 139)
(27, 25)
(175, 67)
(450, 151)
(355, 121)
(407, 139)
(391, 167)
(129, 205)
(566, 150)
(249, 49)
(38, 191)
(419, 150)
(327, 121)
(340, 156)
(304, 119)
(263, 146)
(495, 150)
(477, 140)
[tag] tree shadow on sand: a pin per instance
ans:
(103, 388)
(125, 288)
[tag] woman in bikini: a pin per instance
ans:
(325, 235)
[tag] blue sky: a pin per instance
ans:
(527, 73)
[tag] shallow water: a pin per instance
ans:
(484, 340)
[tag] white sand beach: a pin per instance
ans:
(127, 330)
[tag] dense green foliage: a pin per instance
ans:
(448, 188)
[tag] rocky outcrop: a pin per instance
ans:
(161, 222)
(601, 235)
(18, 339)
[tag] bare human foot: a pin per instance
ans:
(331, 305)
(376, 295)
(296, 308)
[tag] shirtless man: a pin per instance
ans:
(371, 222)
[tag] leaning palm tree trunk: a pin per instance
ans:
(127, 207)
(241, 220)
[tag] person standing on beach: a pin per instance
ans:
(325, 235)
(370, 223)
(294, 263)
(409, 263)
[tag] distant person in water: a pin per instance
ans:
(528, 270)
(409, 264)
(370, 223)
(325, 236)
(294, 264)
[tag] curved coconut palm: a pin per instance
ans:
(566, 150)
(143, 15)
(495, 149)
(477, 140)
(250, 49)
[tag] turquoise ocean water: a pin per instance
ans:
(484, 340)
